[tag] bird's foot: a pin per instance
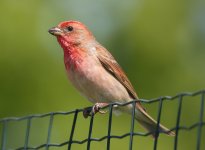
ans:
(95, 109)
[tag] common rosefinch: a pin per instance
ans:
(96, 74)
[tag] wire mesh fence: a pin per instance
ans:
(108, 136)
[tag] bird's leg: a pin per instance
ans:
(96, 108)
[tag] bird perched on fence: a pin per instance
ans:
(96, 74)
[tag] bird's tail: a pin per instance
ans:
(150, 124)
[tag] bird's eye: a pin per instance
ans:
(70, 28)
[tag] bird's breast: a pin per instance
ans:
(73, 59)
(94, 82)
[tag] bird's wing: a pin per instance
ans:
(111, 65)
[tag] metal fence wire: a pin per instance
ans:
(71, 141)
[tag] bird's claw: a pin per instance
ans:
(96, 108)
(87, 111)
(93, 110)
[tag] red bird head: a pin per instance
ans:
(71, 33)
(75, 39)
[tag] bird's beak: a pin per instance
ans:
(55, 31)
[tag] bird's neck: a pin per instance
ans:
(73, 53)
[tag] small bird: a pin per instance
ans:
(96, 74)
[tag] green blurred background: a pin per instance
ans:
(160, 45)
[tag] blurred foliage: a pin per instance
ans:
(160, 45)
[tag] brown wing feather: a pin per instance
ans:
(111, 65)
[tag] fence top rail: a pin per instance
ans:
(162, 98)
(178, 97)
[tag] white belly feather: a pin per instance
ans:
(95, 83)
